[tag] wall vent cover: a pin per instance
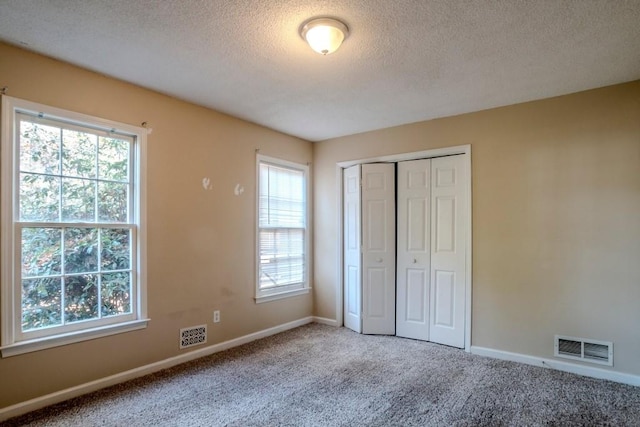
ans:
(586, 350)
(194, 335)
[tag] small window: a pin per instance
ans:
(72, 236)
(282, 229)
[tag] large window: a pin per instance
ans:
(71, 227)
(283, 266)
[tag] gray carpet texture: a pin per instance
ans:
(319, 375)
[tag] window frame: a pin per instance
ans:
(13, 340)
(284, 291)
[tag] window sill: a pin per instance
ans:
(281, 295)
(70, 338)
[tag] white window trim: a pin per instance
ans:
(9, 346)
(292, 290)
(282, 294)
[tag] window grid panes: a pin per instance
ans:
(282, 216)
(75, 224)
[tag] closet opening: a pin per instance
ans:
(405, 246)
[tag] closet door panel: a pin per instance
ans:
(448, 258)
(352, 250)
(414, 253)
(378, 248)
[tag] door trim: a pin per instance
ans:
(426, 154)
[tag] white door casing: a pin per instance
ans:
(352, 249)
(378, 248)
(414, 253)
(448, 251)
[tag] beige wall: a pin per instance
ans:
(556, 217)
(200, 243)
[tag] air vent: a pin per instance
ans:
(194, 335)
(585, 350)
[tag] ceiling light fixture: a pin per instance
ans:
(324, 35)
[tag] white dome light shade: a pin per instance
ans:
(324, 35)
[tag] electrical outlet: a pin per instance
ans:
(216, 316)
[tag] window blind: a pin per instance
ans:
(282, 226)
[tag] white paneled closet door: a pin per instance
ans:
(448, 251)
(378, 249)
(414, 249)
(352, 252)
(420, 292)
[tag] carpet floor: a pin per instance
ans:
(318, 375)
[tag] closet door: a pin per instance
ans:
(414, 253)
(352, 261)
(448, 257)
(378, 249)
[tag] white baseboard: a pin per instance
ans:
(325, 321)
(574, 368)
(69, 393)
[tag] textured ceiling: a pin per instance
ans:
(405, 60)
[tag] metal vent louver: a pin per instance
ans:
(194, 335)
(569, 347)
(596, 351)
(585, 350)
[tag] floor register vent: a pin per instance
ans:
(194, 335)
(583, 349)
